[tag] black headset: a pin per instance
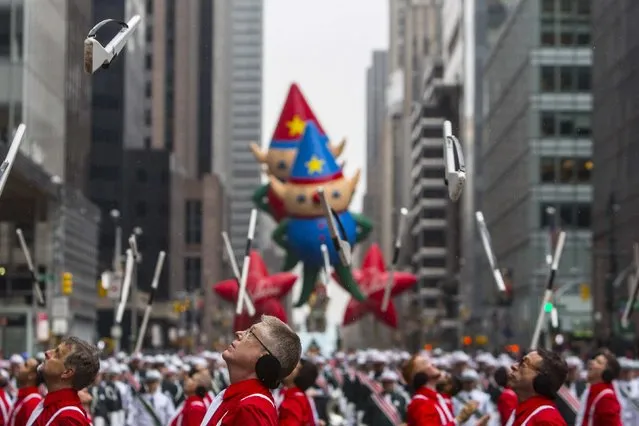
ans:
(200, 390)
(543, 385)
(268, 368)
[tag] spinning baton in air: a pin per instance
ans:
(625, 318)
(398, 246)
(126, 286)
(97, 56)
(7, 164)
(149, 305)
(454, 162)
(342, 247)
(549, 289)
(247, 262)
(250, 308)
(488, 249)
(37, 290)
(327, 264)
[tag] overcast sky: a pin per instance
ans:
(325, 46)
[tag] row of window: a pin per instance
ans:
(565, 33)
(565, 215)
(566, 7)
(565, 79)
(193, 222)
(565, 170)
(576, 124)
(192, 273)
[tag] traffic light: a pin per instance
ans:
(548, 307)
(467, 340)
(67, 283)
(481, 340)
(584, 292)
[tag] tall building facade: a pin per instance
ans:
(245, 78)
(376, 81)
(614, 148)
(43, 86)
(537, 157)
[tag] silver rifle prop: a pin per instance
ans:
(625, 318)
(549, 289)
(27, 255)
(398, 246)
(250, 308)
(327, 264)
(455, 174)
(149, 305)
(126, 286)
(133, 243)
(342, 247)
(247, 262)
(7, 164)
(488, 249)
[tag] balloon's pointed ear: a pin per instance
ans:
(259, 155)
(278, 187)
(338, 149)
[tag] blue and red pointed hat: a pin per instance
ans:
(296, 112)
(314, 163)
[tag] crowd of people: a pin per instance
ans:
(262, 378)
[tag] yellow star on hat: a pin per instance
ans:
(314, 165)
(296, 126)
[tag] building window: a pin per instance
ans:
(433, 214)
(571, 215)
(148, 59)
(140, 209)
(432, 152)
(565, 79)
(433, 193)
(193, 225)
(436, 262)
(432, 173)
(548, 6)
(565, 170)
(565, 124)
(192, 273)
(147, 117)
(148, 88)
(433, 238)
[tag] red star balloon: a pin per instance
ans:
(372, 279)
(265, 291)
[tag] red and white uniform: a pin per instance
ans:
(599, 406)
(247, 403)
(208, 398)
(27, 400)
(449, 402)
(506, 405)
(295, 409)
(190, 413)
(59, 408)
(536, 411)
(428, 408)
(5, 407)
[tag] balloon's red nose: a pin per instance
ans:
(316, 198)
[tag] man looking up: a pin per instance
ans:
(67, 369)
(28, 398)
(258, 359)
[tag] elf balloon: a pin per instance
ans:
(305, 229)
(281, 153)
(265, 291)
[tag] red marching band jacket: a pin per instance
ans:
(536, 411)
(295, 409)
(190, 413)
(27, 400)
(59, 408)
(246, 403)
(506, 405)
(428, 408)
(599, 406)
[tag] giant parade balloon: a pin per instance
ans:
(305, 228)
(372, 278)
(265, 291)
(280, 155)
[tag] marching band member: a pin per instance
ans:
(428, 408)
(150, 406)
(296, 408)
(70, 367)
(28, 396)
(599, 403)
(257, 360)
(535, 379)
(575, 384)
(470, 392)
(388, 408)
(506, 401)
(627, 393)
(192, 411)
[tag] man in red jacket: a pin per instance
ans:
(257, 360)
(28, 395)
(535, 379)
(191, 412)
(599, 403)
(67, 369)
(296, 408)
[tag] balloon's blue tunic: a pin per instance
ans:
(305, 237)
